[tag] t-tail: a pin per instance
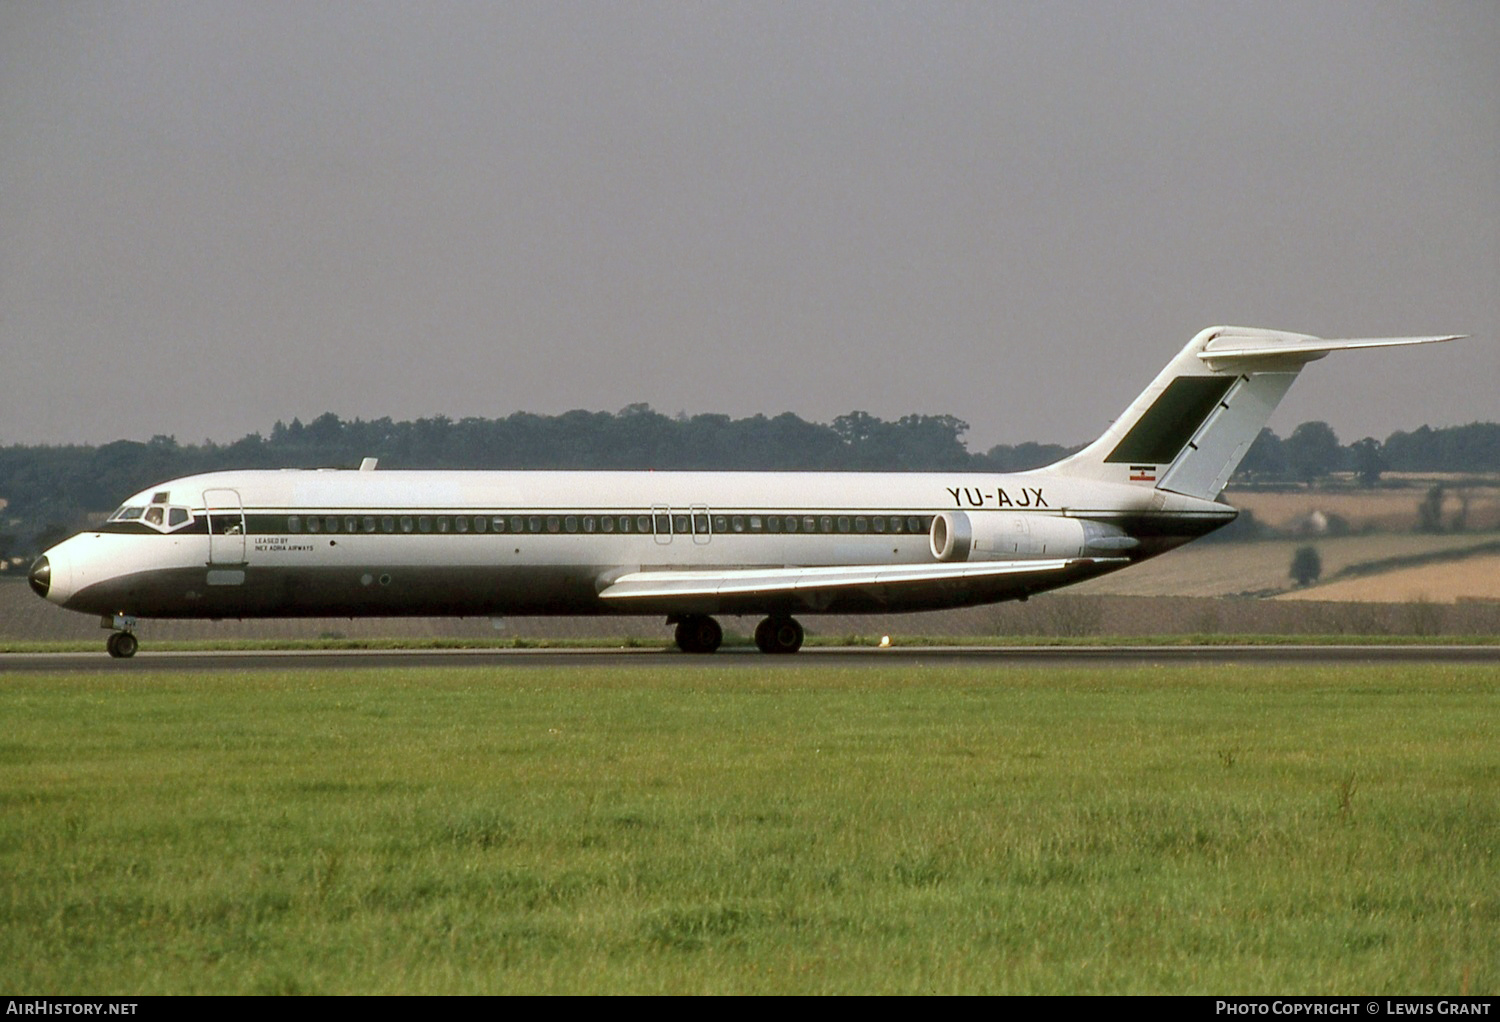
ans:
(1189, 430)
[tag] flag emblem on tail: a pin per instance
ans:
(1143, 473)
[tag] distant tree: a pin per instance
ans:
(1460, 520)
(1020, 457)
(1266, 457)
(1368, 460)
(1430, 510)
(1312, 451)
(1307, 566)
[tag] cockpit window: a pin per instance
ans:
(156, 515)
(128, 514)
(176, 516)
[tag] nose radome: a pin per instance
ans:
(41, 577)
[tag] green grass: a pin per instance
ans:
(967, 830)
(735, 639)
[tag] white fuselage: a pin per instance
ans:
(316, 543)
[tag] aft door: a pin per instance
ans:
(226, 527)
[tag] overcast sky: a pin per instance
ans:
(217, 215)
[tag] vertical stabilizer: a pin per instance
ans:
(1188, 430)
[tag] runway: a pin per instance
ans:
(913, 658)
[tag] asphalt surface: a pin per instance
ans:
(745, 658)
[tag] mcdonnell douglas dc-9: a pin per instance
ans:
(688, 545)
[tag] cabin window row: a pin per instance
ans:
(675, 523)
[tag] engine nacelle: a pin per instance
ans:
(991, 536)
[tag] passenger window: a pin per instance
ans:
(861, 524)
(331, 523)
(369, 523)
(607, 524)
(424, 524)
(570, 523)
(406, 523)
(554, 523)
(294, 523)
(388, 524)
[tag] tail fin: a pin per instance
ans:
(1189, 429)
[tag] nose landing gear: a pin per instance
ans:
(121, 643)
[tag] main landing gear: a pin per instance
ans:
(121, 644)
(699, 633)
(779, 635)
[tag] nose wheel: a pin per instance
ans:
(121, 645)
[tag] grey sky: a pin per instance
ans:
(216, 215)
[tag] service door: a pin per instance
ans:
(226, 527)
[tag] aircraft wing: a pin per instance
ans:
(851, 586)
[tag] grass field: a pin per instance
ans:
(1229, 569)
(713, 831)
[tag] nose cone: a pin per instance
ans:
(41, 577)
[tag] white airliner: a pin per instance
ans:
(688, 545)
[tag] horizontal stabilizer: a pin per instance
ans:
(1233, 349)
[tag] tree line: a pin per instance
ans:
(54, 490)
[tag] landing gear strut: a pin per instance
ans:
(121, 644)
(698, 633)
(779, 635)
